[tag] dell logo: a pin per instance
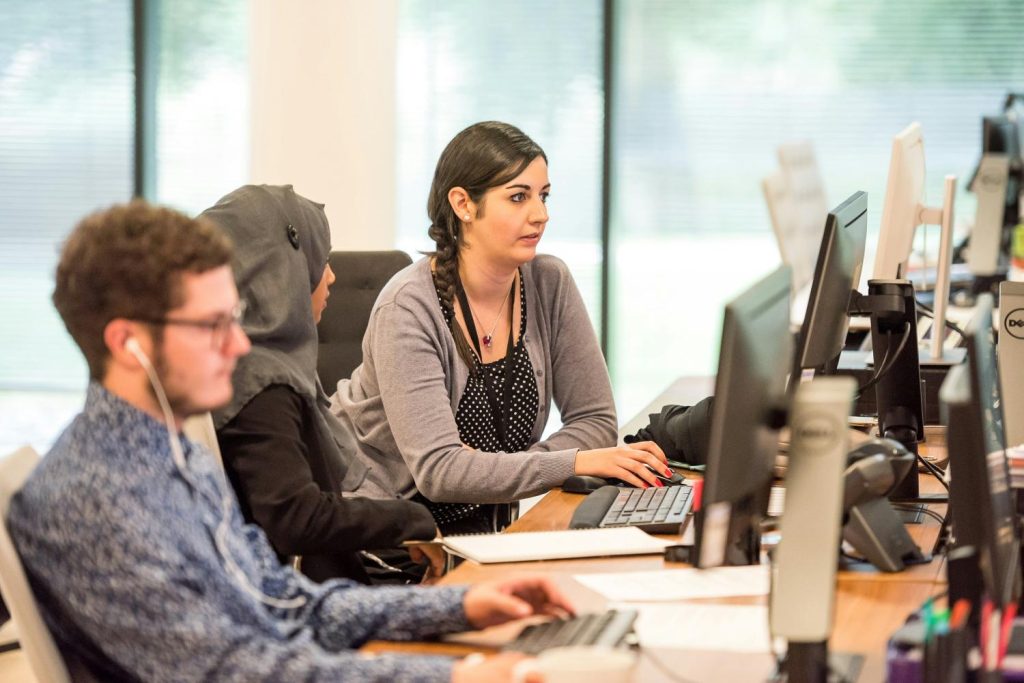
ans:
(1013, 323)
(814, 433)
(990, 182)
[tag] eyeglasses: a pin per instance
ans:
(220, 328)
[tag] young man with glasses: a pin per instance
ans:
(132, 539)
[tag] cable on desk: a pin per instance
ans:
(934, 471)
(927, 311)
(919, 507)
(886, 363)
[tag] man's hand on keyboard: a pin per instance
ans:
(628, 463)
(502, 667)
(495, 602)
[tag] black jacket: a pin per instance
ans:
(275, 461)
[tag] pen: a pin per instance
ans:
(989, 635)
(927, 618)
(1004, 633)
(961, 611)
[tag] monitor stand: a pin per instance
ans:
(813, 662)
(908, 492)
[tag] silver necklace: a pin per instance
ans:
(488, 339)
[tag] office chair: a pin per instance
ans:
(36, 641)
(360, 277)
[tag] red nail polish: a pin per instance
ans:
(657, 482)
(668, 473)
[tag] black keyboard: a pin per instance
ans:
(607, 629)
(656, 510)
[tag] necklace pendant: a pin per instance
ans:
(487, 340)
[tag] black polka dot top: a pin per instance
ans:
(475, 418)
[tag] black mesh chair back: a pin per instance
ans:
(360, 277)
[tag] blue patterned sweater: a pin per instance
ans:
(120, 551)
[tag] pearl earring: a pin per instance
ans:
(466, 217)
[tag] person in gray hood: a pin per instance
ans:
(287, 456)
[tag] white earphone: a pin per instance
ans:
(131, 345)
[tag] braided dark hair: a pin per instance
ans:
(483, 156)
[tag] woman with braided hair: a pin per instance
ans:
(466, 349)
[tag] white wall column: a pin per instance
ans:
(322, 79)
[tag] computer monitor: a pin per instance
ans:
(836, 275)
(980, 499)
(795, 195)
(750, 395)
(902, 212)
(996, 184)
(1000, 135)
(904, 192)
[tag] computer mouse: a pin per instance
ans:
(674, 479)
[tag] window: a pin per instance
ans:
(536, 65)
(66, 131)
(705, 91)
(67, 127)
(201, 148)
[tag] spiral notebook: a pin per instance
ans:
(528, 546)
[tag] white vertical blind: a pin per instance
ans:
(67, 126)
(534, 64)
(706, 90)
(66, 132)
(202, 100)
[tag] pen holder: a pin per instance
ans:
(905, 653)
(945, 657)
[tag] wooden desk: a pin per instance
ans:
(870, 604)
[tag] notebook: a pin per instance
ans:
(529, 546)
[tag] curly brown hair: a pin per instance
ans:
(127, 262)
(485, 155)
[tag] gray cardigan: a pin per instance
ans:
(400, 403)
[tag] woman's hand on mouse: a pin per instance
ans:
(639, 464)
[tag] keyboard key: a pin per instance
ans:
(645, 499)
(634, 498)
(607, 629)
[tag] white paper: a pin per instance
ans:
(679, 584)
(694, 626)
(555, 545)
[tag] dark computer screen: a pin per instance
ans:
(836, 275)
(750, 390)
(1001, 135)
(979, 496)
